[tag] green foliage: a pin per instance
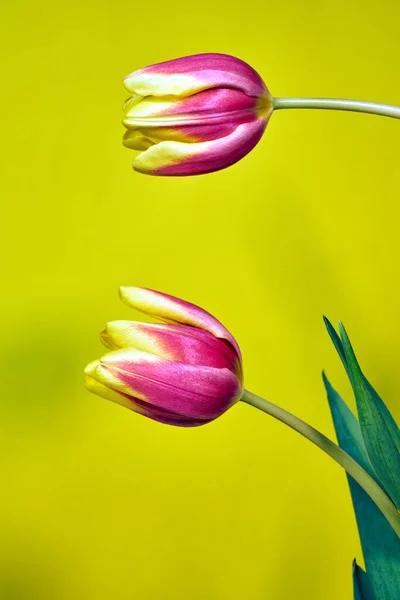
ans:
(367, 440)
(362, 590)
(379, 430)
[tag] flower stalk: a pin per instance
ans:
(376, 493)
(373, 108)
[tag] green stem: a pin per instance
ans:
(342, 458)
(374, 108)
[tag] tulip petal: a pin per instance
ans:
(140, 408)
(101, 390)
(210, 106)
(172, 342)
(136, 140)
(131, 101)
(142, 139)
(177, 158)
(191, 74)
(171, 309)
(205, 116)
(188, 391)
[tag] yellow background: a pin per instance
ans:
(96, 502)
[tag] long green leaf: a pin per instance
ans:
(383, 409)
(362, 590)
(379, 430)
(337, 342)
(386, 415)
(356, 587)
(381, 545)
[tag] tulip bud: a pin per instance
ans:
(185, 371)
(195, 114)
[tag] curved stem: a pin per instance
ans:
(342, 458)
(374, 108)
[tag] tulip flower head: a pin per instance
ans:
(195, 114)
(185, 371)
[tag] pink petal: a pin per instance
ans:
(186, 390)
(191, 74)
(215, 105)
(173, 342)
(137, 406)
(142, 139)
(177, 158)
(171, 309)
(160, 415)
(205, 116)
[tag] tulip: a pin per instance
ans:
(202, 113)
(185, 371)
(195, 114)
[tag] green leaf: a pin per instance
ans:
(380, 543)
(362, 589)
(347, 429)
(379, 430)
(356, 373)
(337, 342)
(391, 423)
(357, 592)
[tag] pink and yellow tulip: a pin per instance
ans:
(185, 371)
(195, 114)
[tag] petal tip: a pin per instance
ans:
(91, 368)
(127, 294)
(107, 338)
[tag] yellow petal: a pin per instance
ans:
(129, 334)
(153, 84)
(104, 392)
(148, 107)
(164, 154)
(91, 368)
(135, 140)
(155, 338)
